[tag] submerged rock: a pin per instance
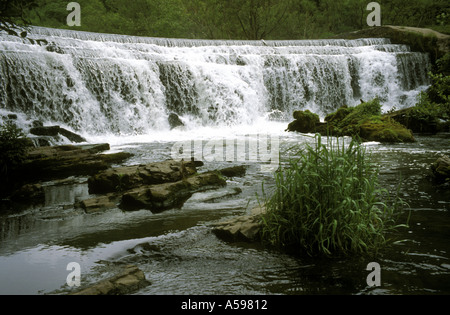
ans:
(169, 195)
(441, 169)
(128, 281)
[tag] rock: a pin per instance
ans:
(47, 163)
(242, 228)
(54, 131)
(95, 148)
(305, 122)
(174, 121)
(366, 123)
(129, 280)
(234, 171)
(99, 204)
(129, 177)
(37, 123)
(441, 169)
(156, 197)
(385, 131)
(418, 122)
(71, 136)
(339, 115)
(41, 142)
(164, 196)
(45, 131)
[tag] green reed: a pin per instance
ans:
(328, 201)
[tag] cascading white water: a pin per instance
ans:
(124, 85)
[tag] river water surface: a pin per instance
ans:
(180, 255)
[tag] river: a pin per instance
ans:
(180, 255)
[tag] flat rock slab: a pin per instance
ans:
(245, 228)
(129, 177)
(47, 163)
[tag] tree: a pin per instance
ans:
(13, 12)
(259, 19)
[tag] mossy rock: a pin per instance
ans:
(339, 115)
(305, 122)
(417, 120)
(365, 122)
(385, 130)
(362, 112)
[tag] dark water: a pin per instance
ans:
(180, 255)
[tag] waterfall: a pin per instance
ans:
(128, 85)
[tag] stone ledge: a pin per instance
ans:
(245, 228)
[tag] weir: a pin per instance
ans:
(126, 85)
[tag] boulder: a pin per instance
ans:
(128, 281)
(233, 171)
(174, 121)
(305, 122)
(441, 169)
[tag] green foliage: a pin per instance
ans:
(233, 19)
(13, 148)
(329, 202)
(434, 104)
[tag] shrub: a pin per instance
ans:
(328, 202)
(13, 148)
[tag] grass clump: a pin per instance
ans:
(328, 202)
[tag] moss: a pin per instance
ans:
(305, 122)
(339, 115)
(365, 122)
(385, 130)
